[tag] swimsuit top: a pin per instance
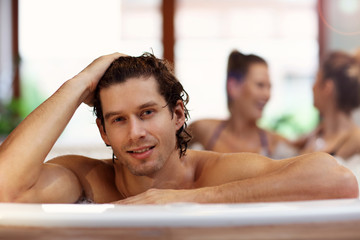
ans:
(263, 139)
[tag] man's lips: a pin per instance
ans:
(141, 150)
(141, 153)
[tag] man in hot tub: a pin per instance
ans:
(141, 113)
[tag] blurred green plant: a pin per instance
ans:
(31, 95)
(10, 116)
(293, 124)
(12, 112)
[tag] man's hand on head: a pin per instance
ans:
(91, 75)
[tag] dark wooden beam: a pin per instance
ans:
(15, 48)
(168, 38)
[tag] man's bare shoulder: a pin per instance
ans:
(97, 177)
(79, 161)
(84, 166)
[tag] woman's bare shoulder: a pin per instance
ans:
(204, 124)
(201, 130)
(350, 145)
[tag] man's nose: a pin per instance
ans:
(136, 129)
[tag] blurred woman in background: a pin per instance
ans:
(336, 93)
(248, 91)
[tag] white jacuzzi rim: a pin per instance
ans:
(178, 214)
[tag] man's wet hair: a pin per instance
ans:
(147, 65)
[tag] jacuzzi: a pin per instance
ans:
(325, 219)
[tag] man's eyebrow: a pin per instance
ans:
(142, 106)
(148, 104)
(110, 114)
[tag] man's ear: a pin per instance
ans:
(102, 131)
(179, 114)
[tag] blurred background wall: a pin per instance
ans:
(43, 43)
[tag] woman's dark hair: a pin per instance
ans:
(147, 65)
(238, 66)
(344, 70)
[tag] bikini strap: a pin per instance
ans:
(215, 136)
(264, 143)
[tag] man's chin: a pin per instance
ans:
(144, 170)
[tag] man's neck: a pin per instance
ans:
(175, 174)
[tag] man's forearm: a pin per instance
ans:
(311, 177)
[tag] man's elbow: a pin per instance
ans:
(341, 181)
(348, 186)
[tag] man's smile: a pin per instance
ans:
(141, 150)
(141, 153)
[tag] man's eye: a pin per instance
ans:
(147, 112)
(119, 119)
